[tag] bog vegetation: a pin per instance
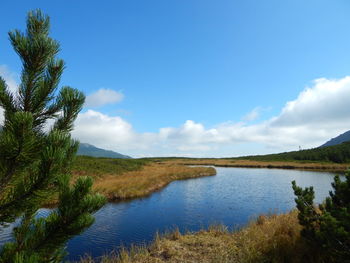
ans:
(142, 182)
(272, 238)
(309, 234)
(99, 167)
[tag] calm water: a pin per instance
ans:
(232, 197)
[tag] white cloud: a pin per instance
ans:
(109, 132)
(326, 102)
(101, 128)
(10, 78)
(253, 114)
(103, 97)
(1, 116)
(317, 114)
(11, 81)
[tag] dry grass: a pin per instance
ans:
(316, 166)
(274, 238)
(150, 178)
(127, 179)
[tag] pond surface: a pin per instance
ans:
(232, 197)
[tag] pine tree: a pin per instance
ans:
(35, 159)
(327, 228)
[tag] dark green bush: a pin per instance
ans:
(326, 227)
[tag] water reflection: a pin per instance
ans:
(232, 197)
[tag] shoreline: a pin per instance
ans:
(118, 183)
(137, 183)
(268, 238)
(303, 166)
(142, 183)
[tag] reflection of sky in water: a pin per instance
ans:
(6, 230)
(193, 191)
(232, 197)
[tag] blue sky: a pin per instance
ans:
(199, 78)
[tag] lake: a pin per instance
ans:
(232, 197)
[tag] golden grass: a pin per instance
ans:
(125, 179)
(316, 166)
(150, 178)
(274, 238)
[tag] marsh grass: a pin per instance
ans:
(270, 238)
(300, 165)
(99, 167)
(121, 179)
(267, 238)
(142, 182)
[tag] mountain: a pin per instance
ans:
(90, 150)
(338, 140)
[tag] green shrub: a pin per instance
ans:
(35, 162)
(326, 227)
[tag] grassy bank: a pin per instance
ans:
(150, 178)
(300, 165)
(119, 179)
(100, 167)
(332, 158)
(274, 238)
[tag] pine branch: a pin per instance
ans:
(33, 162)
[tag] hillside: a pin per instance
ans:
(337, 140)
(337, 153)
(90, 150)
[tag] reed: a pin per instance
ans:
(269, 238)
(299, 165)
(99, 167)
(150, 178)
(121, 179)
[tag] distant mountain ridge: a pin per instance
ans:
(339, 153)
(344, 137)
(90, 150)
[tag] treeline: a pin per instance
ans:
(338, 154)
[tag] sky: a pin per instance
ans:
(199, 78)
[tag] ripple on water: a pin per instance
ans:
(232, 197)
